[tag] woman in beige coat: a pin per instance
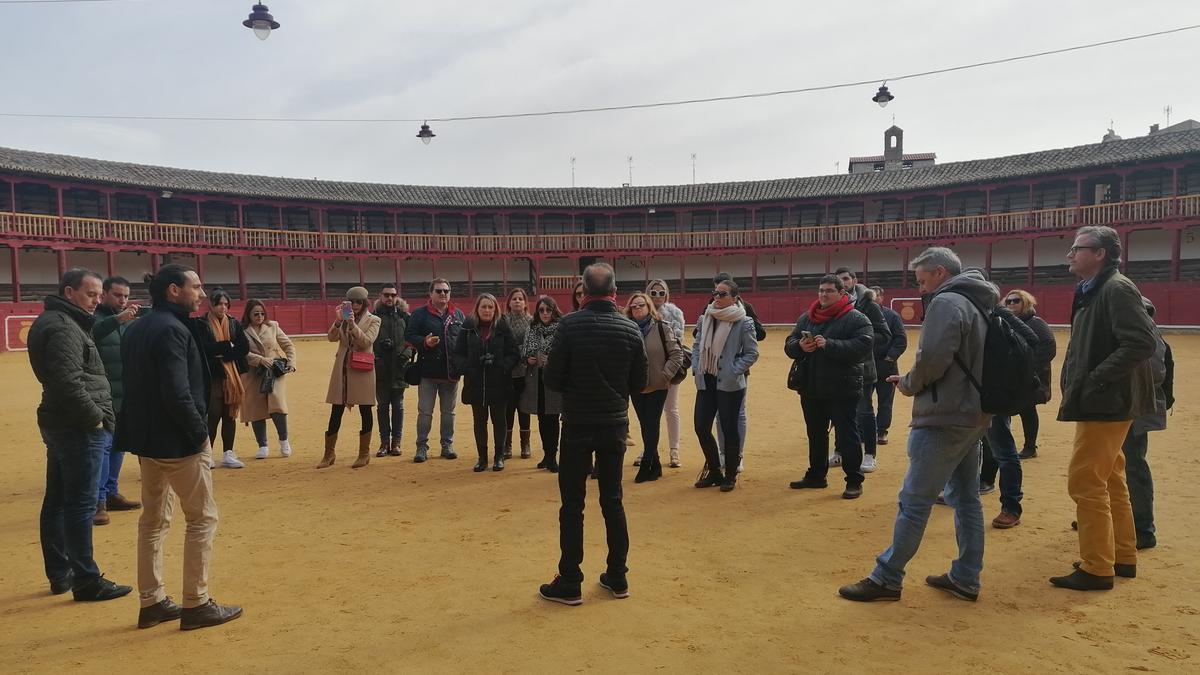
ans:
(664, 358)
(352, 381)
(268, 344)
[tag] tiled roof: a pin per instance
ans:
(943, 176)
(907, 156)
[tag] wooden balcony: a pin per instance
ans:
(26, 229)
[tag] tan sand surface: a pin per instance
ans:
(432, 568)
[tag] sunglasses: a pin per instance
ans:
(640, 305)
(1012, 301)
(720, 294)
(442, 291)
(390, 295)
(658, 294)
(358, 302)
(545, 310)
(258, 313)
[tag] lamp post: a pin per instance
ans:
(261, 22)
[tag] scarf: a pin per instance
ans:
(598, 298)
(538, 339)
(644, 324)
(819, 315)
(485, 331)
(233, 389)
(718, 323)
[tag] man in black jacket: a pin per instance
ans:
(76, 420)
(432, 331)
(864, 301)
(392, 356)
(163, 422)
(596, 360)
(887, 357)
(828, 345)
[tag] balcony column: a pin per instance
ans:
(362, 274)
(200, 266)
(61, 257)
(241, 267)
(110, 263)
(471, 278)
(504, 276)
(682, 275)
(754, 273)
(14, 263)
(1032, 251)
(905, 256)
(155, 262)
(396, 274)
(646, 271)
(321, 277)
(241, 225)
(282, 277)
(791, 257)
(154, 218)
(987, 259)
(1176, 251)
(866, 263)
(62, 226)
(1124, 249)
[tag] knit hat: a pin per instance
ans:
(357, 293)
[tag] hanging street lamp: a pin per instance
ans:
(883, 96)
(261, 22)
(425, 134)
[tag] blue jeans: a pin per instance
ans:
(73, 460)
(110, 470)
(429, 390)
(1004, 451)
(391, 414)
(937, 457)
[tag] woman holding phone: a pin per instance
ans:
(486, 353)
(352, 382)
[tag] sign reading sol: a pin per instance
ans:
(16, 332)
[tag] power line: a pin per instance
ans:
(577, 111)
(55, 2)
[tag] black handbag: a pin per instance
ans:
(412, 375)
(681, 374)
(795, 377)
(267, 385)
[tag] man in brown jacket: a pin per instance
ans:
(1106, 383)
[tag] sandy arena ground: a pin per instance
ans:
(432, 568)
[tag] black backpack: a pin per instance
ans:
(1010, 382)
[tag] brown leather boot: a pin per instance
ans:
(330, 445)
(101, 517)
(394, 448)
(526, 453)
(364, 451)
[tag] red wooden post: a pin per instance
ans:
(362, 275)
(62, 262)
(282, 276)
(1176, 250)
(241, 267)
(321, 276)
(987, 259)
(61, 223)
(791, 258)
(155, 262)
(15, 264)
(110, 263)
(470, 278)
(200, 266)
(154, 218)
(905, 256)
(1032, 250)
(754, 273)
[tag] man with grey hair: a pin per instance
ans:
(947, 423)
(597, 359)
(1107, 382)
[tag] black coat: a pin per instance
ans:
(887, 355)
(434, 363)
(218, 354)
(166, 386)
(486, 384)
(596, 360)
(864, 302)
(75, 391)
(392, 353)
(1044, 350)
(836, 370)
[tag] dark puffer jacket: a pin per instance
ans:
(836, 370)
(392, 352)
(1044, 351)
(482, 383)
(864, 302)
(597, 359)
(166, 386)
(107, 332)
(434, 363)
(75, 393)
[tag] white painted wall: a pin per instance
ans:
(1051, 251)
(886, 259)
(1149, 245)
(219, 269)
(488, 269)
(738, 266)
(302, 271)
(416, 269)
(773, 265)
(38, 267)
(665, 268)
(808, 262)
(972, 254)
(1010, 253)
(132, 265)
(341, 271)
(455, 270)
(1190, 247)
(700, 267)
(375, 270)
(5, 268)
(559, 267)
(265, 270)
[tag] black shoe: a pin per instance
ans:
(1122, 570)
(656, 468)
(160, 612)
(62, 585)
(618, 586)
(498, 465)
(1075, 525)
(645, 473)
(806, 483)
(208, 614)
(987, 488)
(593, 475)
(1028, 453)
(449, 454)
(729, 483)
(382, 451)
(100, 590)
(1144, 543)
(943, 582)
(561, 591)
(852, 492)
(420, 457)
(713, 479)
(868, 591)
(541, 464)
(552, 465)
(1082, 581)
(480, 466)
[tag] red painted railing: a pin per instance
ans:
(32, 227)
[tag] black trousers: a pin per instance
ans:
(479, 419)
(710, 404)
(548, 430)
(512, 413)
(335, 419)
(819, 413)
(260, 428)
(1030, 424)
(579, 443)
(649, 410)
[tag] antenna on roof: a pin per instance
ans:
(630, 160)
(1167, 111)
(693, 168)
(572, 172)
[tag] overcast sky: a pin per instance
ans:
(382, 58)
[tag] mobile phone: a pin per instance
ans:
(347, 311)
(805, 335)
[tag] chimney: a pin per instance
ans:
(893, 148)
(1153, 128)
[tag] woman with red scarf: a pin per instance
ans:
(486, 353)
(828, 345)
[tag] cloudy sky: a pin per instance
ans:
(382, 58)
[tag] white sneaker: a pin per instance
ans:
(263, 452)
(285, 448)
(868, 464)
(230, 460)
(740, 464)
(835, 459)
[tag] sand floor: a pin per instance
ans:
(432, 568)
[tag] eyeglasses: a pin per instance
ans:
(442, 291)
(358, 302)
(658, 294)
(1075, 249)
(1012, 301)
(390, 295)
(720, 294)
(545, 310)
(640, 305)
